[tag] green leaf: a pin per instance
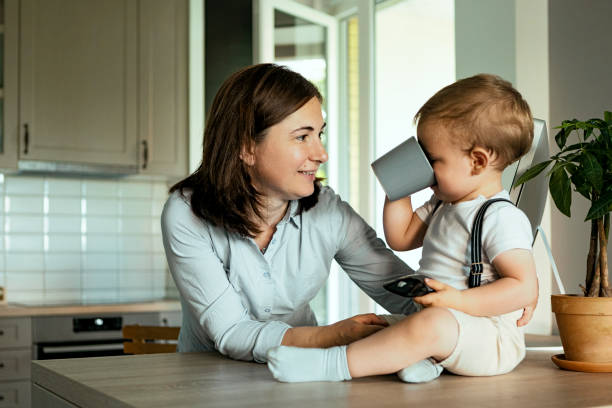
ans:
(560, 190)
(574, 146)
(581, 185)
(532, 172)
(561, 138)
(600, 207)
(608, 117)
(592, 170)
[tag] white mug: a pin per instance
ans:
(404, 170)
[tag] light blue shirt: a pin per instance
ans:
(241, 302)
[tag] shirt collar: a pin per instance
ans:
(291, 214)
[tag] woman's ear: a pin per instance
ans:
(247, 155)
(481, 158)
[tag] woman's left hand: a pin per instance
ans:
(444, 295)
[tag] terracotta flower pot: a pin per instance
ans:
(585, 327)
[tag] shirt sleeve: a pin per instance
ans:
(366, 259)
(505, 227)
(425, 211)
(202, 282)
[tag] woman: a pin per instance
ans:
(250, 235)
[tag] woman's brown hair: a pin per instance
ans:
(246, 105)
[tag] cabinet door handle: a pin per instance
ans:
(145, 154)
(1, 397)
(26, 138)
(1, 364)
(1, 332)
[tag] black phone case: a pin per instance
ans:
(409, 286)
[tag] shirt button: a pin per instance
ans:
(266, 275)
(267, 310)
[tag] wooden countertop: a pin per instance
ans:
(208, 379)
(50, 310)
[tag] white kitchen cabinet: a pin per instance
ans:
(15, 356)
(78, 81)
(163, 87)
(103, 84)
(9, 88)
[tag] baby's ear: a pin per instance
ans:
(481, 158)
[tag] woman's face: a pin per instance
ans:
(284, 164)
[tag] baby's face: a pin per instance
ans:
(452, 165)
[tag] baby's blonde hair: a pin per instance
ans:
(482, 111)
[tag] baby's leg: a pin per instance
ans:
(431, 332)
(420, 372)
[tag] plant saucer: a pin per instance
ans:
(583, 366)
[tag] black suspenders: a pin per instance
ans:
(476, 241)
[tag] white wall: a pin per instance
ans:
(580, 87)
(531, 38)
(415, 57)
(484, 38)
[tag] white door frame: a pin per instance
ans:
(349, 300)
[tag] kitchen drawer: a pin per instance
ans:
(15, 332)
(15, 394)
(15, 364)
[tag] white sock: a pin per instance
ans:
(420, 372)
(295, 364)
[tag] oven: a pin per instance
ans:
(83, 336)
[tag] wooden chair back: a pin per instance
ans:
(145, 339)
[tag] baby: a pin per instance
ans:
(471, 130)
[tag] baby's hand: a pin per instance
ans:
(444, 295)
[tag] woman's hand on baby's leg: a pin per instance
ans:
(355, 328)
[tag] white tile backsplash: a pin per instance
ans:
(100, 280)
(138, 207)
(64, 223)
(65, 205)
(17, 262)
(24, 185)
(135, 243)
(23, 223)
(102, 206)
(23, 205)
(136, 190)
(24, 243)
(62, 262)
(62, 280)
(62, 187)
(103, 242)
(96, 188)
(107, 225)
(68, 240)
(30, 280)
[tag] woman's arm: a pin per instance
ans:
(337, 334)
(215, 310)
(404, 230)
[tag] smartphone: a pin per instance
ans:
(409, 286)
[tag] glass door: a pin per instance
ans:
(305, 40)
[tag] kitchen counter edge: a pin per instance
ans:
(51, 310)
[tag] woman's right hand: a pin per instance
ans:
(355, 328)
(338, 334)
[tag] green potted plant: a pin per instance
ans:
(585, 162)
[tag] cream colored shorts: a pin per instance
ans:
(486, 345)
